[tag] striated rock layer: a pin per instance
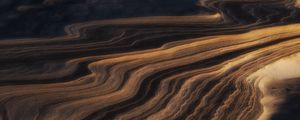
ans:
(151, 60)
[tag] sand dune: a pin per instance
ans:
(221, 60)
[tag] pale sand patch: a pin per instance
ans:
(271, 80)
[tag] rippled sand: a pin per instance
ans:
(150, 60)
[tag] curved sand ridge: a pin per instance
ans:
(217, 66)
